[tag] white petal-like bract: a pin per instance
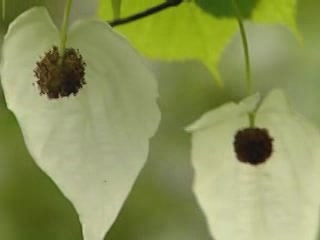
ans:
(92, 145)
(277, 199)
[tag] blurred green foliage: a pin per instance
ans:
(198, 29)
(13, 8)
(161, 205)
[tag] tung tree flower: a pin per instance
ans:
(277, 198)
(91, 137)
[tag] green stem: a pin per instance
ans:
(247, 58)
(116, 4)
(3, 9)
(64, 29)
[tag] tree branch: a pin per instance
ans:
(146, 13)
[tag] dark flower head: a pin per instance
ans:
(58, 77)
(253, 145)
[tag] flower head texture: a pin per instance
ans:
(277, 198)
(93, 141)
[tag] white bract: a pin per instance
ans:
(276, 200)
(92, 145)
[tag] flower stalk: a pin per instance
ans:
(64, 29)
(3, 9)
(246, 56)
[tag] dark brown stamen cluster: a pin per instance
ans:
(253, 145)
(58, 77)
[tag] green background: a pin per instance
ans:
(162, 205)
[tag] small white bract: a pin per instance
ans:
(277, 199)
(94, 144)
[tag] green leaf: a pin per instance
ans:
(199, 30)
(92, 145)
(113, 7)
(225, 8)
(277, 11)
(277, 199)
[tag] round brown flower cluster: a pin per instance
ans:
(60, 77)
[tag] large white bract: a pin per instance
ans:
(92, 145)
(278, 199)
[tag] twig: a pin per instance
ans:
(146, 13)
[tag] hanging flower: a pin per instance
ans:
(86, 124)
(257, 183)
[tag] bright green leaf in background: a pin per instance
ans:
(195, 29)
(277, 199)
(225, 8)
(92, 145)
